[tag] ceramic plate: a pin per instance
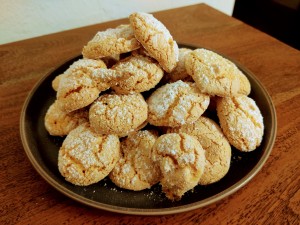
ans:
(42, 151)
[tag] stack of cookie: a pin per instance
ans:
(132, 109)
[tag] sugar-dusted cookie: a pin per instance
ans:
(216, 75)
(181, 160)
(180, 73)
(75, 91)
(156, 39)
(60, 123)
(176, 104)
(216, 146)
(241, 122)
(135, 170)
(86, 157)
(83, 86)
(80, 64)
(111, 42)
(143, 74)
(118, 114)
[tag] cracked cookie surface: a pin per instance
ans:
(143, 74)
(110, 42)
(181, 159)
(215, 144)
(78, 65)
(118, 114)
(156, 39)
(241, 122)
(216, 75)
(176, 104)
(86, 157)
(83, 85)
(135, 170)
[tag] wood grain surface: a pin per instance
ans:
(271, 197)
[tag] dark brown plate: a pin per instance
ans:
(42, 151)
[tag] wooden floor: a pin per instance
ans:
(280, 20)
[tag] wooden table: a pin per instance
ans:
(272, 197)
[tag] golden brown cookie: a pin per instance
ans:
(86, 157)
(111, 42)
(241, 122)
(181, 160)
(216, 75)
(76, 90)
(80, 64)
(135, 170)
(60, 123)
(156, 39)
(176, 104)
(83, 86)
(180, 73)
(118, 114)
(143, 74)
(216, 146)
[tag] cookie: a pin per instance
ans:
(86, 157)
(76, 90)
(60, 123)
(83, 86)
(215, 144)
(55, 82)
(181, 160)
(79, 65)
(118, 114)
(241, 122)
(176, 104)
(245, 86)
(156, 39)
(143, 74)
(111, 42)
(135, 170)
(216, 75)
(180, 73)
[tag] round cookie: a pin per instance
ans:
(216, 75)
(83, 86)
(118, 114)
(135, 170)
(181, 160)
(241, 122)
(60, 123)
(216, 146)
(86, 157)
(80, 64)
(176, 104)
(76, 90)
(111, 42)
(179, 73)
(156, 39)
(142, 71)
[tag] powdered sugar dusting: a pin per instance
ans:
(164, 97)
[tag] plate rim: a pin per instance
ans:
(159, 211)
